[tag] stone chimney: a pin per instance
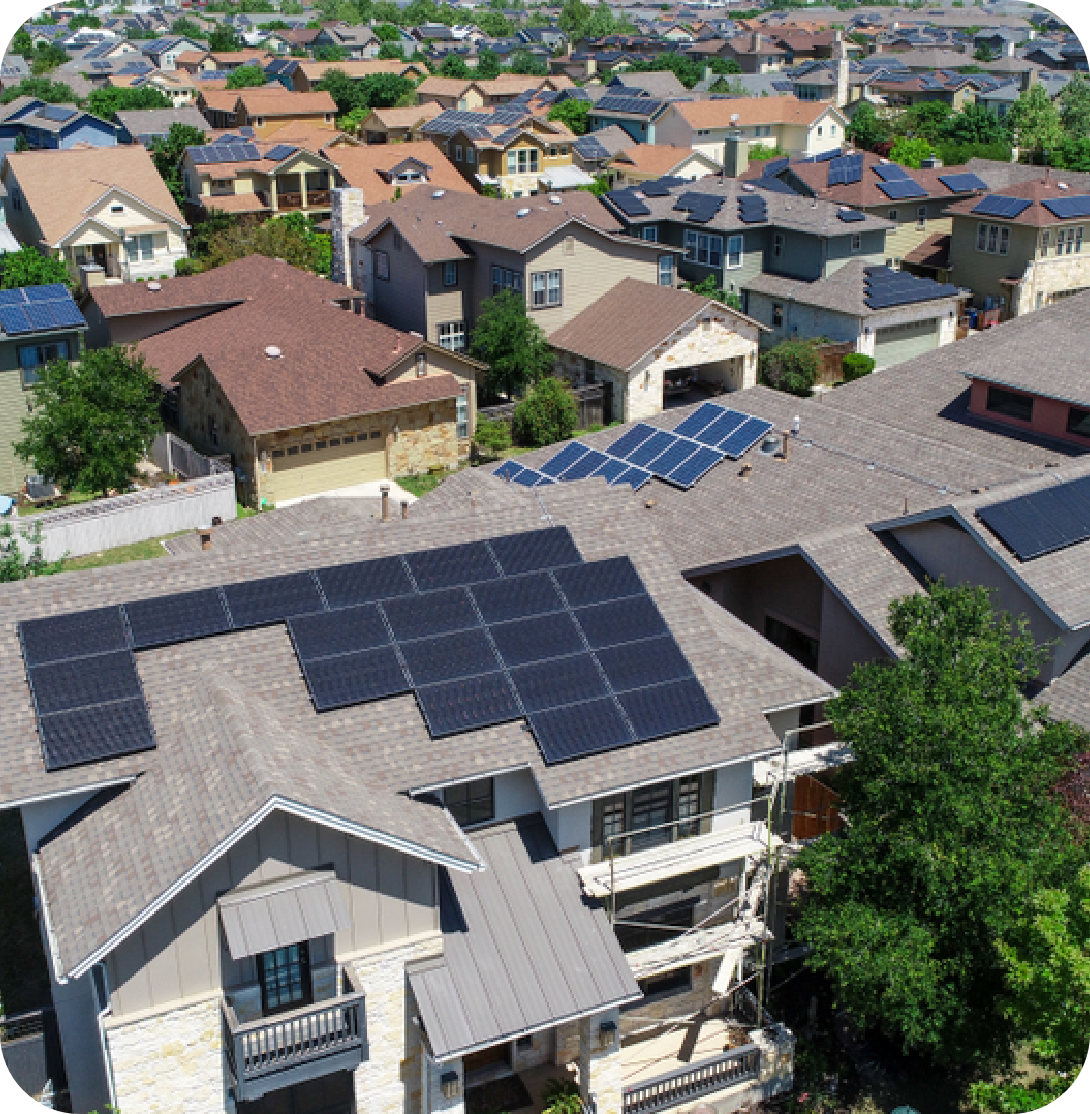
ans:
(756, 47)
(349, 212)
(1008, 48)
(842, 68)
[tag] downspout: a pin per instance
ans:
(105, 1010)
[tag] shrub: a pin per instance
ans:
(547, 415)
(791, 366)
(492, 436)
(856, 365)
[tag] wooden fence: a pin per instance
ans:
(595, 407)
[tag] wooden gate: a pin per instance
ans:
(816, 809)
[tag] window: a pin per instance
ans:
(1010, 404)
(643, 934)
(308, 448)
(397, 240)
(452, 336)
(471, 154)
(421, 366)
(650, 232)
(503, 279)
(17, 200)
(703, 249)
(450, 274)
(472, 802)
(892, 214)
(320, 444)
(921, 216)
(820, 131)
(650, 815)
(34, 356)
(857, 241)
(141, 247)
(545, 289)
(777, 317)
(688, 807)
(457, 154)
(461, 416)
(285, 978)
(995, 239)
(117, 208)
(1078, 421)
(1044, 242)
(666, 270)
(793, 641)
(382, 265)
(734, 252)
(777, 244)
(832, 130)
(1069, 240)
(523, 160)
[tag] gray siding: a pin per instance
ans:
(400, 302)
(981, 271)
(872, 249)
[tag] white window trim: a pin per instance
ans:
(731, 251)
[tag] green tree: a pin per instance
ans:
(601, 22)
(167, 155)
(511, 344)
(572, 113)
(856, 364)
(547, 415)
(1073, 154)
(186, 27)
(867, 129)
(952, 827)
(92, 22)
(1034, 121)
(92, 421)
(910, 152)
(494, 24)
(984, 54)
(246, 77)
(929, 119)
(522, 61)
(224, 40)
(709, 288)
(574, 17)
(330, 53)
(21, 143)
(104, 102)
(391, 51)
(28, 267)
(975, 124)
(23, 44)
(387, 33)
(290, 237)
(488, 64)
(21, 554)
(454, 65)
(791, 366)
(1074, 105)
(47, 58)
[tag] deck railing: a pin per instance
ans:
(693, 1082)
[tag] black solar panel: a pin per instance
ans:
(466, 704)
(630, 439)
(774, 166)
(435, 613)
(635, 665)
(559, 681)
(64, 685)
(623, 620)
(599, 581)
(699, 419)
(466, 653)
(167, 619)
(73, 636)
(611, 469)
(1068, 208)
(564, 459)
(255, 602)
(744, 437)
(890, 172)
(95, 733)
(338, 632)
(348, 679)
(654, 446)
(661, 187)
(517, 597)
(580, 729)
(1042, 522)
(962, 183)
(849, 216)
(364, 581)
(668, 709)
(628, 203)
(693, 468)
(544, 636)
(995, 205)
(538, 549)
(587, 464)
(451, 565)
(902, 189)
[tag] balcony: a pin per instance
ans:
(288, 201)
(290, 1048)
(693, 1081)
(319, 199)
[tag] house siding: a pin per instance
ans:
(402, 301)
(981, 271)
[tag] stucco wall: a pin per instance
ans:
(1049, 414)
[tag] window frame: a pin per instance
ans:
(778, 244)
(1076, 416)
(456, 335)
(1009, 404)
(734, 253)
(450, 272)
(666, 270)
(857, 242)
(29, 371)
(704, 249)
(306, 995)
(460, 801)
(777, 315)
(545, 283)
(921, 216)
(650, 233)
(508, 280)
(382, 265)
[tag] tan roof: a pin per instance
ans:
(225, 58)
(405, 117)
(444, 86)
(654, 158)
(281, 102)
(356, 67)
(310, 134)
(191, 57)
(235, 202)
(221, 99)
(59, 186)
(360, 167)
(750, 111)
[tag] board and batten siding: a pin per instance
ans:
(181, 952)
(981, 271)
(400, 301)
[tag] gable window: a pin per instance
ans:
(703, 249)
(734, 252)
(666, 270)
(397, 240)
(450, 273)
(777, 244)
(921, 216)
(471, 803)
(820, 131)
(1010, 404)
(285, 978)
(995, 239)
(777, 317)
(471, 154)
(832, 129)
(34, 356)
(650, 232)
(1078, 421)
(117, 208)
(892, 214)
(545, 289)
(382, 265)
(857, 241)
(421, 366)
(458, 154)
(504, 279)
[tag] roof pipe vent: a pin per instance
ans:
(554, 200)
(273, 353)
(523, 213)
(749, 187)
(154, 286)
(436, 194)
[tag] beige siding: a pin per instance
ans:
(181, 953)
(447, 303)
(908, 236)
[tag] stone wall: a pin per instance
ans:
(349, 212)
(600, 1072)
(437, 1102)
(427, 436)
(172, 1063)
(1047, 277)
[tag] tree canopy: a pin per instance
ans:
(572, 113)
(52, 92)
(547, 415)
(246, 77)
(167, 156)
(1074, 105)
(104, 102)
(453, 65)
(290, 237)
(792, 366)
(21, 554)
(1034, 121)
(380, 90)
(223, 40)
(29, 267)
(511, 344)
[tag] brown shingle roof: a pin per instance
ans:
(354, 67)
(751, 111)
(1036, 215)
(653, 158)
(406, 117)
(269, 102)
(360, 167)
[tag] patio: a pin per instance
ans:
(494, 1096)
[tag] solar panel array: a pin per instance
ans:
(58, 113)
(224, 152)
(995, 205)
(849, 216)
(280, 152)
(38, 309)
(701, 207)
(890, 172)
(884, 288)
(962, 183)
(628, 202)
(661, 187)
(632, 106)
(1068, 208)
(591, 148)
(752, 208)
(901, 189)
(1043, 522)
(774, 166)
(845, 170)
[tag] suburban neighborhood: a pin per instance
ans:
(544, 557)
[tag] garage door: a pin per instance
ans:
(326, 467)
(901, 342)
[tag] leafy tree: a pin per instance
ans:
(92, 421)
(522, 61)
(599, 187)
(574, 17)
(330, 53)
(867, 129)
(687, 70)
(791, 366)
(547, 415)
(975, 124)
(92, 22)
(1074, 105)
(511, 344)
(492, 436)
(104, 102)
(709, 288)
(186, 27)
(494, 24)
(23, 44)
(246, 77)
(952, 828)
(167, 155)
(910, 152)
(28, 267)
(290, 237)
(454, 65)
(761, 152)
(488, 65)
(385, 11)
(984, 54)
(387, 33)
(572, 113)
(391, 50)
(224, 40)
(47, 58)
(857, 364)
(928, 119)
(1073, 154)
(21, 554)
(1034, 121)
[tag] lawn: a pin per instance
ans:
(70, 500)
(138, 551)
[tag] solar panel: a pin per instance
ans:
(560, 681)
(451, 565)
(347, 679)
(329, 633)
(544, 636)
(744, 437)
(536, 549)
(774, 167)
(611, 469)
(675, 455)
(517, 597)
(622, 620)
(727, 422)
(890, 172)
(465, 704)
(902, 189)
(364, 581)
(960, 183)
(256, 602)
(527, 477)
(589, 462)
(67, 314)
(577, 730)
(564, 459)
(73, 636)
(635, 478)
(598, 581)
(166, 619)
(654, 446)
(435, 613)
(668, 709)
(13, 320)
(508, 470)
(661, 187)
(850, 215)
(51, 292)
(630, 439)
(752, 211)
(701, 417)
(64, 685)
(40, 316)
(95, 733)
(465, 653)
(628, 203)
(634, 665)
(995, 205)
(14, 297)
(1068, 208)
(280, 152)
(687, 473)
(1043, 521)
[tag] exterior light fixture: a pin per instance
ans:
(451, 1084)
(607, 1034)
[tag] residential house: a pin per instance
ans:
(927, 59)
(163, 53)
(52, 126)
(146, 125)
(26, 345)
(755, 53)
(901, 90)
(427, 262)
(645, 343)
(102, 206)
(592, 152)
(637, 114)
(195, 62)
(301, 76)
(646, 162)
(456, 93)
(398, 125)
(293, 39)
(266, 108)
(796, 127)
(800, 47)
(177, 85)
(659, 85)
(356, 41)
(388, 171)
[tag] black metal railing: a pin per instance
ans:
(692, 1082)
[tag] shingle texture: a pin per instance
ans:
(363, 168)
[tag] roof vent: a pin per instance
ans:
(155, 286)
(523, 213)
(770, 445)
(884, 162)
(438, 194)
(749, 187)
(734, 118)
(1062, 186)
(554, 200)
(273, 352)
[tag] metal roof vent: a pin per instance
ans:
(273, 353)
(523, 213)
(734, 117)
(1062, 186)
(749, 187)
(155, 286)
(438, 194)
(770, 445)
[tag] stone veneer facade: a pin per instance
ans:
(1045, 278)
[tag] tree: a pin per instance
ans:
(511, 344)
(522, 61)
(791, 366)
(186, 28)
(47, 58)
(929, 119)
(167, 155)
(867, 129)
(246, 77)
(104, 102)
(488, 64)
(92, 22)
(330, 53)
(92, 421)
(387, 33)
(910, 152)
(1074, 105)
(574, 16)
(223, 40)
(984, 54)
(951, 828)
(21, 554)
(975, 124)
(547, 415)
(709, 288)
(454, 65)
(28, 267)
(391, 50)
(1073, 154)
(494, 24)
(1034, 121)
(290, 237)
(23, 44)
(572, 113)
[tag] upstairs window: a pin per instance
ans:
(503, 279)
(285, 978)
(995, 239)
(1010, 404)
(545, 289)
(666, 270)
(473, 802)
(450, 273)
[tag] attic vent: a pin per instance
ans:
(523, 213)
(155, 286)
(273, 352)
(1062, 186)
(438, 193)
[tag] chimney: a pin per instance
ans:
(1008, 48)
(385, 489)
(205, 534)
(404, 508)
(349, 212)
(735, 156)
(591, 65)
(756, 42)
(843, 71)
(1029, 79)
(90, 276)
(785, 445)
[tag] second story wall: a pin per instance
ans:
(399, 300)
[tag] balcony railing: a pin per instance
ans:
(737, 1066)
(319, 199)
(289, 200)
(290, 1048)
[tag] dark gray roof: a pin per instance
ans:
(522, 948)
(1068, 697)
(158, 121)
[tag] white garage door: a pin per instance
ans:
(326, 467)
(901, 342)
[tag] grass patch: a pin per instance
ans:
(138, 551)
(422, 484)
(24, 977)
(72, 499)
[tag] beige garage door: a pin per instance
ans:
(326, 467)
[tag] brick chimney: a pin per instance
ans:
(349, 212)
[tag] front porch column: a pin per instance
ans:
(436, 1102)
(600, 1068)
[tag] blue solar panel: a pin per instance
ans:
(727, 422)
(654, 446)
(1068, 208)
(744, 437)
(628, 203)
(577, 730)
(703, 416)
(848, 216)
(635, 478)
(564, 459)
(280, 152)
(589, 462)
(669, 709)
(535, 549)
(687, 473)
(13, 320)
(67, 314)
(611, 469)
(675, 455)
(995, 205)
(1043, 521)
(52, 292)
(902, 188)
(40, 315)
(12, 297)
(527, 477)
(630, 439)
(890, 172)
(508, 470)
(962, 183)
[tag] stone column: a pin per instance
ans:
(600, 1068)
(435, 1102)
(349, 212)
(777, 1074)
